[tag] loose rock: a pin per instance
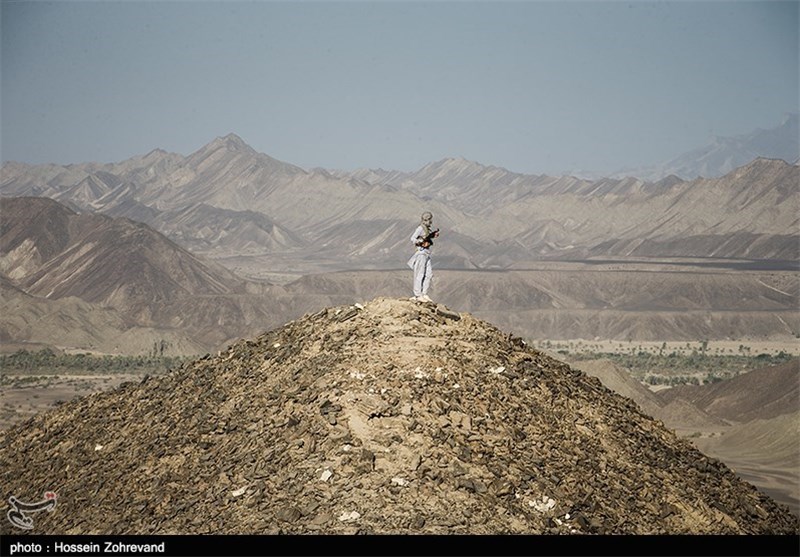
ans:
(247, 442)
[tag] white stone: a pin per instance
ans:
(544, 505)
(496, 370)
(399, 481)
(326, 475)
(239, 491)
(98, 447)
(348, 516)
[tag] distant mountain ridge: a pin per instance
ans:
(750, 212)
(722, 155)
(264, 218)
(253, 204)
(108, 284)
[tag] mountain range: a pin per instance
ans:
(202, 249)
(389, 401)
(113, 285)
(230, 202)
(722, 155)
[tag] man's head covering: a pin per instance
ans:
(427, 218)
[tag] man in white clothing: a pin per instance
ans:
(420, 262)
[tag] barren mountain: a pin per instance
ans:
(750, 212)
(491, 216)
(760, 394)
(121, 202)
(687, 417)
(465, 185)
(765, 452)
(723, 154)
(391, 417)
(678, 414)
(203, 228)
(53, 253)
(267, 218)
(31, 322)
(228, 174)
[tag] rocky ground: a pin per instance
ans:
(388, 417)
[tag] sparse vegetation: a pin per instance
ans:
(49, 363)
(698, 366)
(671, 380)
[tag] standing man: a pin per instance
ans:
(420, 262)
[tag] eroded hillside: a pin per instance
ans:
(391, 417)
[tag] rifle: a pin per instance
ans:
(427, 241)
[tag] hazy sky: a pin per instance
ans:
(531, 86)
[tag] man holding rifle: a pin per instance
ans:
(420, 262)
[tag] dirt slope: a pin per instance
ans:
(392, 417)
(760, 394)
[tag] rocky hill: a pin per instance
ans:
(763, 405)
(619, 380)
(133, 283)
(30, 322)
(55, 252)
(387, 417)
(763, 393)
(764, 452)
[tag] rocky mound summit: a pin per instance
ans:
(391, 417)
